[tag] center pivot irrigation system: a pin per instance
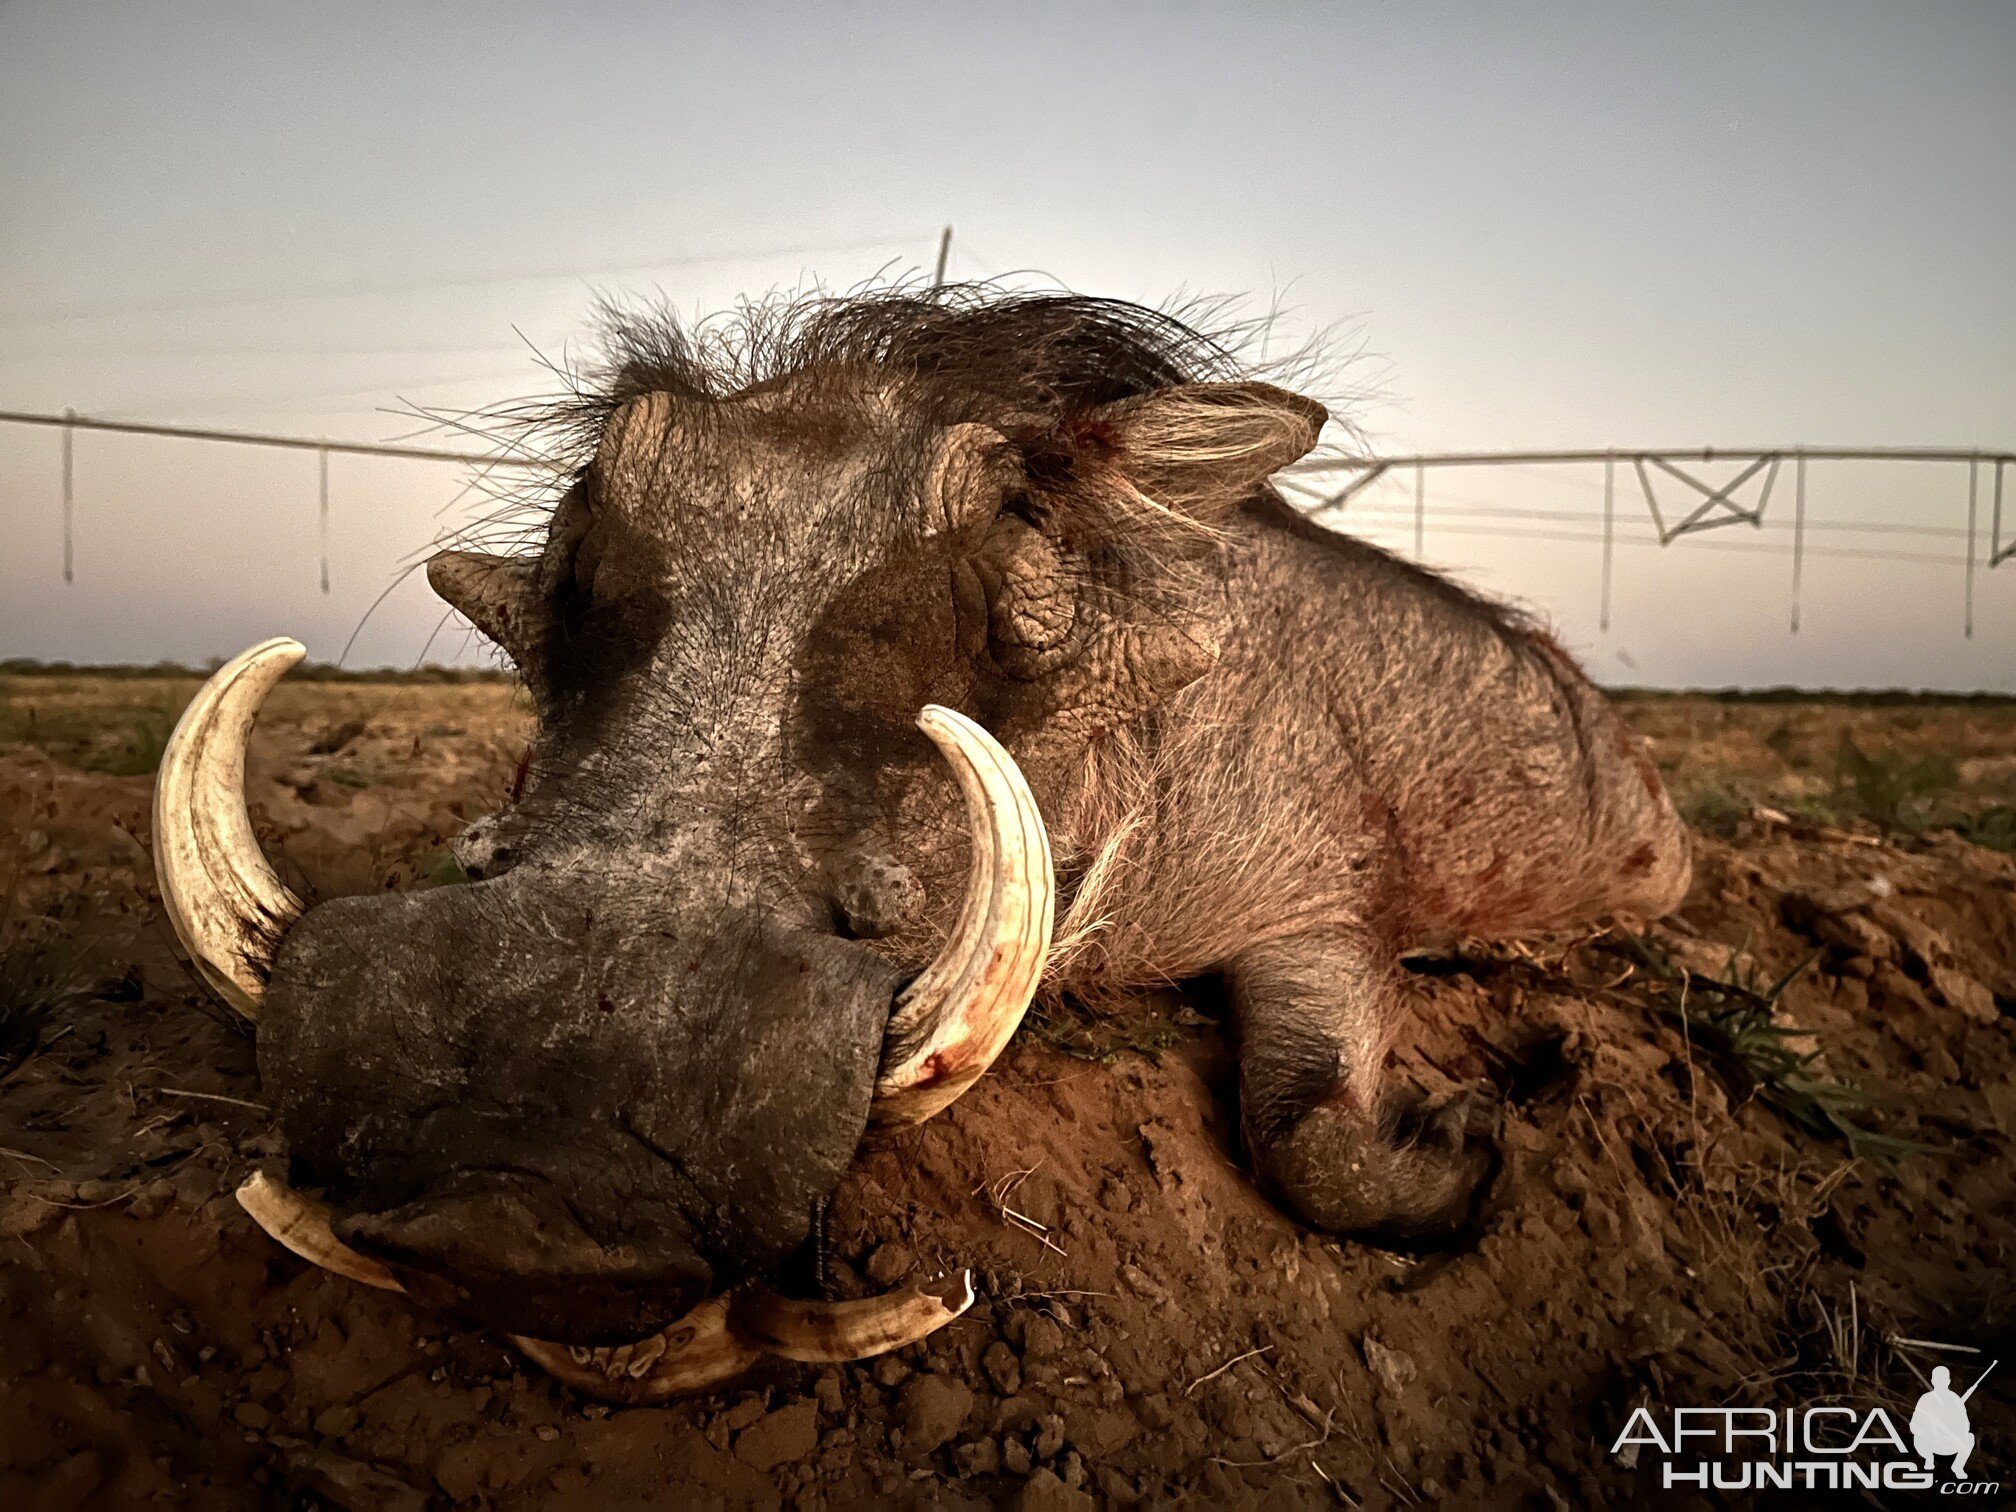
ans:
(1327, 489)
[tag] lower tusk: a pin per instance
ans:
(832, 1333)
(300, 1223)
(697, 1352)
(717, 1341)
(727, 1335)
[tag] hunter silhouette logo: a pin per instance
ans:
(1939, 1422)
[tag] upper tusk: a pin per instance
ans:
(952, 1022)
(831, 1333)
(298, 1222)
(698, 1351)
(228, 908)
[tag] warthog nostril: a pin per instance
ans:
(481, 850)
(875, 897)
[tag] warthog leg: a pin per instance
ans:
(1316, 1015)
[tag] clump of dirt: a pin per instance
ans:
(1150, 1330)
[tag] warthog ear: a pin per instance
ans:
(1202, 448)
(499, 595)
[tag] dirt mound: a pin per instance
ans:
(1690, 1212)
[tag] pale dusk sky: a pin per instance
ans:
(1549, 226)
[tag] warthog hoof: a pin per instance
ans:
(1420, 1187)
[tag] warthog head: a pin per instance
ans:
(763, 883)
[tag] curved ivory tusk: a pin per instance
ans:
(300, 1223)
(697, 1352)
(729, 1334)
(959, 1014)
(832, 1333)
(228, 908)
(718, 1340)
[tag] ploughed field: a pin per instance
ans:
(1713, 1193)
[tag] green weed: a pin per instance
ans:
(1715, 808)
(1733, 1020)
(38, 979)
(1099, 1038)
(117, 740)
(1890, 790)
(441, 869)
(133, 750)
(1995, 828)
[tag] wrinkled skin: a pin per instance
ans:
(623, 1068)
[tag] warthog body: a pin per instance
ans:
(627, 1065)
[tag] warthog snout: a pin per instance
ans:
(575, 1099)
(633, 1098)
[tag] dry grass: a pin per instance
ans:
(117, 737)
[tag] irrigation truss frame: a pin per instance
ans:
(1314, 482)
(1718, 503)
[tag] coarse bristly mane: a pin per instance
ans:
(962, 351)
(959, 352)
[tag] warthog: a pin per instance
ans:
(742, 907)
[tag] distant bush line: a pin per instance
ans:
(23, 666)
(1859, 698)
(1869, 698)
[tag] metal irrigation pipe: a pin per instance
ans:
(69, 422)
(1654, 454)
